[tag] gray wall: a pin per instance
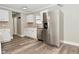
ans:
(71, 22)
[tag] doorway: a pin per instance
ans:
(16, 23)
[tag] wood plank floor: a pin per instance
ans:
(25, 45)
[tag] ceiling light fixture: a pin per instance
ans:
(25, 8)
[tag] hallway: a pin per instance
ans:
(26, 45)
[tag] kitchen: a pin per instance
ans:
(27, 28)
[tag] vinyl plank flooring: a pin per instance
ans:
(27, 45)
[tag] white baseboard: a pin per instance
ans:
(71, 43)
(20, 35)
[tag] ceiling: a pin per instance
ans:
(30, 7)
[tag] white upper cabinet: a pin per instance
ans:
(30, 18)
(38, 17)
(4, 15)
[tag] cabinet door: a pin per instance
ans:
(30, 32)
(4, 15)
(5, 35)
(30, 18)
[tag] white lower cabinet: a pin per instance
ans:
(0, 43)
(5, 35)
(31, 32)
(0, 47)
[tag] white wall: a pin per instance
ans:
(11, 23)
(71, 22)
(23, 19)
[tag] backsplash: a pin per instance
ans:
(29, 24)
(4, 24)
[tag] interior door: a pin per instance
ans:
(15, 25)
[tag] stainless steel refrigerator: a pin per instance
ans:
(52, 33)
